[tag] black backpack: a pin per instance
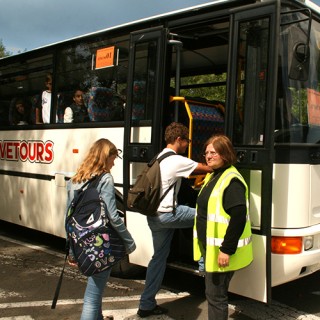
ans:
(144, 196)
(94, 243)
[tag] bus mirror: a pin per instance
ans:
(298, 42)
(300, 62)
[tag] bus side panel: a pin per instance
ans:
(251, 281)
(58, 200)
(33, 203)
(138, 226)
(36, 191)
(315, 199)
(291, 196)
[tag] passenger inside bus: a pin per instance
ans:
(43, 113)
(77, 112)
(20, 112)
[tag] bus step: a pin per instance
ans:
(186, 268)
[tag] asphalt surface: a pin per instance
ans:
(29, 273)
(31, 263)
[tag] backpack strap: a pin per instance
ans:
(165, 155)
(94, 181)
(56, 294)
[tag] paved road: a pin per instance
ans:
(29, 273)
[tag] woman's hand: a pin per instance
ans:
(223, 260)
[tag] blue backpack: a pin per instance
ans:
(94, 243)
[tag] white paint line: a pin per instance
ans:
(17, 318)
(80, 301)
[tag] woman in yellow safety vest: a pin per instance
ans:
(222, 232)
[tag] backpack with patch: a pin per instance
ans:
(144, 196)
(94, 243)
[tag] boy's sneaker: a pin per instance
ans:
(154, 312)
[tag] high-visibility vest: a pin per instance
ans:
(217, 224)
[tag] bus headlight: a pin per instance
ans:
(308, 243)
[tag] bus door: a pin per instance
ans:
(143, 129)
(250, 109)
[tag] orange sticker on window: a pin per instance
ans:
(105, 57)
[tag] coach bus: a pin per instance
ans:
(247, 68)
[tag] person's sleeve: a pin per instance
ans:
(184, 166)
(234, 230)
(108, 195)
(68, 115)
(234, 203)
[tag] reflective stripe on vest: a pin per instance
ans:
(218, 242)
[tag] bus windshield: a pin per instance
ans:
(297, 104)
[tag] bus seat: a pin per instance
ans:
(207, 119)
(203, 118)
(104, 105)
(138, 100)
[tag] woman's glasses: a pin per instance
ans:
(211, 154)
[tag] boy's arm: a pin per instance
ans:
(202, 169)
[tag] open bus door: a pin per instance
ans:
(143, 130)
(250, 112)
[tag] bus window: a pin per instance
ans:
(249, 119)
(144, 81)
(23, 82)
(297, 105)
(99, 70)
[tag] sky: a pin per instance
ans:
(29, 24)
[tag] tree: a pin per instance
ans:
(3, 51)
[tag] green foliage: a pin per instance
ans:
(208, 86)
(299, 105)
(3, 51)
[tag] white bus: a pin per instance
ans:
(247, 68)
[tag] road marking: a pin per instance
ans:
(17, 318)
(11, 305)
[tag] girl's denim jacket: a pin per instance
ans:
(106, 190)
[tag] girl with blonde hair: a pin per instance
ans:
(99, 161)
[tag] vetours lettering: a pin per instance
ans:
(32, 151)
